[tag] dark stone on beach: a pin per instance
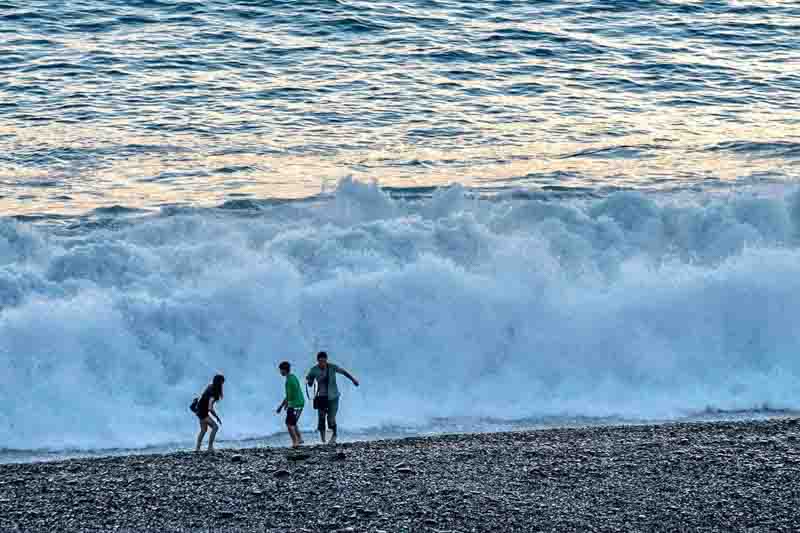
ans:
(298, 456)
(237, 458)
(734, 476)
(281, 474)
(339, 456)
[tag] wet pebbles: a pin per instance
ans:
(701, 476)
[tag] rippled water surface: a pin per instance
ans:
(151, 102)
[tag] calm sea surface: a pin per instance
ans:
(145, 103)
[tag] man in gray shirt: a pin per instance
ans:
(326, 401)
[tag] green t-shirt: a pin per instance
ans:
(294, 396)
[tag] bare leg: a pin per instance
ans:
(297, 440)
(290, 429)
(214, 429)
(332, 424)
(201, 435)
(321, 424)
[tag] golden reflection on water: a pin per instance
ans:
(116, 160)
(182, 172)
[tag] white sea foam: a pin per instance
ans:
(443, 308)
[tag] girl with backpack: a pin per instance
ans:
(203, 407)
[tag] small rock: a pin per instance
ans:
(237, 459)
(298, 456)
(430, 522)
(339, 456)
(226, 514)
(401, 465)
(281, 474)
(405, 470)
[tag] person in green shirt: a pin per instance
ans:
(326, 401)
(293, 402)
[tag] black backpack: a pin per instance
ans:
(193, 405)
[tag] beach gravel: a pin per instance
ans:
(714, 476)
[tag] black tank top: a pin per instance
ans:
(205, 401)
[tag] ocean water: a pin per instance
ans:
(497, 215)
(455, 312)
(153, 102)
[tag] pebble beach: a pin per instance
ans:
(708, 476)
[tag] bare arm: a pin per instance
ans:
(347, 374)
(283, 404)
(212, 411)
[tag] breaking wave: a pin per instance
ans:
(451, 306)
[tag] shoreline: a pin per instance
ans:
(280, 439)
(714, 476)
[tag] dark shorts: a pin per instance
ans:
(327, 413)
(293, 415)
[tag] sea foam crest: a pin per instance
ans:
(448, 307)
